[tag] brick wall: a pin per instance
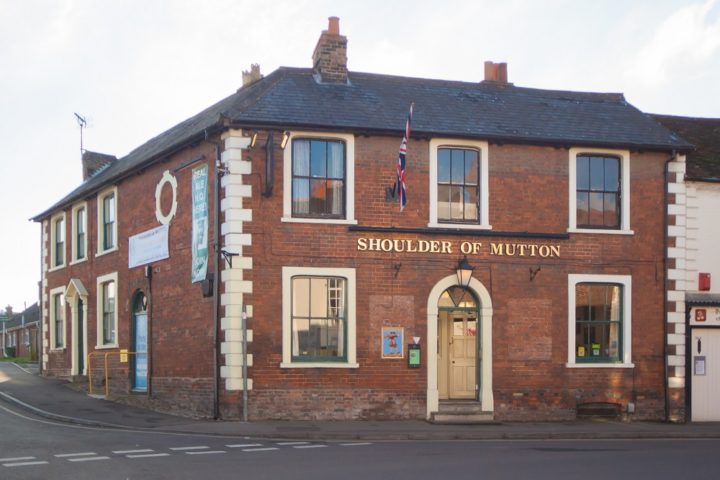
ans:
(528, 192)
(181, 325)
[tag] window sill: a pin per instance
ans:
(319, 365)
(461, 226)
(600, 365)
(107, 347)
(57, 350)
(104, 252)
(81, 260)
(600, 231)
(56, 268)
(330, 221)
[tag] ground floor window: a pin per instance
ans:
(318, 317)
(599, 319)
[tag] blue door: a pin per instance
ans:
(141, 360)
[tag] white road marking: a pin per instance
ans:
(179, 449)
(286, 444)
(23, 369)
(15, 459)
(23, 464)
(259, 449)
(205, 452)
(123, 452)
(354, 444)
(244, 445)
(67, 455)
(310, 446)
(148, 455)
(87, 459)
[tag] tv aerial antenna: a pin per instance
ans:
(82, 123)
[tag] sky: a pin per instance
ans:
(135, 68)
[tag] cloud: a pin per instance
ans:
(688, 38)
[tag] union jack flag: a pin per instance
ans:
(400, 183)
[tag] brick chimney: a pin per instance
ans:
(94, 161)
(496, 72)
(248, 78)
(330, 55)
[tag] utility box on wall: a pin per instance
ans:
(704, 282)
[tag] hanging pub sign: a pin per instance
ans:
(200, 223)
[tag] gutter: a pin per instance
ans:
(216, 279)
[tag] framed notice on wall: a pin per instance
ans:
(392, 342)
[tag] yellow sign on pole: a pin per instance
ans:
(123, 355)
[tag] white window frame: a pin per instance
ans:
(624, 156)
(349, 179)
(75, 210)
(101, 222)
(53, 243)
(287, 274)
(99, 311)
(483, 222)
(53, 314)
(626, 282)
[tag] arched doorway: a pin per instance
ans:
(459, 351)
(462, 320)
(139, 363)
(76, 295)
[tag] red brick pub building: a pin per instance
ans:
(275, 205)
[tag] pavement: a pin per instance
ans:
(21, 386)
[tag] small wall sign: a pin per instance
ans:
(392, 342)
(414, 355)
(699, 365)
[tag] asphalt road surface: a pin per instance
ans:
(35, 448)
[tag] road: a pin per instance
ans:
(35, 448)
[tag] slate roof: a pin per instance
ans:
(704, 162)
(291, 98)
(32, 315)
(700, 299)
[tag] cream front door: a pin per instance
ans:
(462, 356)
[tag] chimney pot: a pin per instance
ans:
(496, 72)
(333, 25)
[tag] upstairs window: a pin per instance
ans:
(598, 187)
(59, 238)
(318, 178)
(459, 195)
(458, 185)
(79, 229)
(107, 221)
(599, 193)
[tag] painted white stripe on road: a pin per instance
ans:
(148, 455)
(15, 459)
(286, 444)
(83, 454)
(205, 452)
(179, 449)
(123, 452)
(354, 444)
(267, 449)
(244, 445)
(310, 446)
(23, 464)
(87, 459)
